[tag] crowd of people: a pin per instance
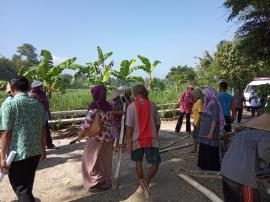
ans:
(24, 128)
(213, 114)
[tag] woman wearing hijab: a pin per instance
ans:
(38, 94)
(196, 110)
(97, 155)
(212, 123)
(186, 103)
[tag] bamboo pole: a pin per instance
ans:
(119, 156)
(183, 138)
(212, 196)
(175, 148)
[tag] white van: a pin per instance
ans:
(249, 89)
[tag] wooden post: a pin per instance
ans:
(119, 155)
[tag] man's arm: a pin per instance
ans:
(158, 127)
(7, 126)
(5, 143)
(129, 131)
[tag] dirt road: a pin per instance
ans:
(59, 177)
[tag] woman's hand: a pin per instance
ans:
(210, 136)
(81, 135)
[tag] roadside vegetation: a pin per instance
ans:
(237, 61)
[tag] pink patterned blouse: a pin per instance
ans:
(186, 102)
(106, 118)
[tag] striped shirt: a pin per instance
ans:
(247, 147)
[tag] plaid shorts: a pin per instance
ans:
(151, 154)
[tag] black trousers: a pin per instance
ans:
(232, 191)
(21, 176)
(239, 112)
(48, 133)
(180, 121)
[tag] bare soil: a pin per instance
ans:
(59, 176)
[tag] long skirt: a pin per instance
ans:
(97, 164)
(208, 158)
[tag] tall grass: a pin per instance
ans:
(73, 99)
(169, 95)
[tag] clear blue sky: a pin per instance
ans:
(172, 31)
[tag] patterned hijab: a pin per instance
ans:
(187, 97)
(99, 95)
(210, 98)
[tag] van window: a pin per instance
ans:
(249, 89)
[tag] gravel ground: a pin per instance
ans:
(59, 176)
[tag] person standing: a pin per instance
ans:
(241, 162)
(142, 126)
(98, 150)
(196, 113)
(212, 123)
(255, 103)
(23, 132)
(238, 99)
(38, 94)
(228, 106)
(186, 103)
(117, 105)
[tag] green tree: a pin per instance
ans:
(48, 73)
(7, 69)
(234, 67)
(181, 74)
(26, 56)
(254, 32)
(148, 67)
(206, 70)
(98, 72)
(127, 67)
(158, 84)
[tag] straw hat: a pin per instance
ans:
(8, 88)
(115, 93)
(262, 122)
(121, 88)
(36, 83)
(197, 93)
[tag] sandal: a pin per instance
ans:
(51, 146)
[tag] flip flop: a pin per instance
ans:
(146, 190)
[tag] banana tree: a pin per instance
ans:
(127, 67)
(97, 72)
(47, 72)
(148, 67)
(3, 84)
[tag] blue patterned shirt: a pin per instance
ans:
(239, 162)
(23, 116)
